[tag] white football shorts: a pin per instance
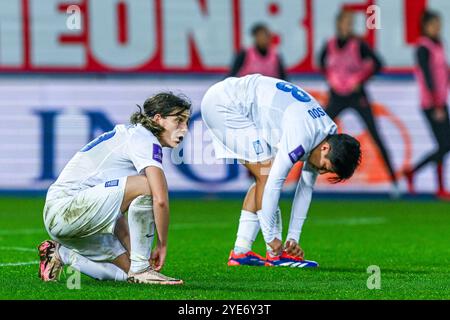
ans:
(85, 222)
(234, 134)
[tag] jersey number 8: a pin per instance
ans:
(296, 92)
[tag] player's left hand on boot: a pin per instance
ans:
(292, 248)
(158, 257)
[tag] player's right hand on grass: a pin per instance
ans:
(158, 257)
(292, 248)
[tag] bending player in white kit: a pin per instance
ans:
(119, 171)
(269, 124)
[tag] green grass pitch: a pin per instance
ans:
(409, 241)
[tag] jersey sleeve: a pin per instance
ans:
(144, 151)
(302, 200)
(296, 141)
(278, 173)
(301, 134)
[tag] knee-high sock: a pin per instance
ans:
(279, 224)
(142, 227)
(278, 227)
(249, 228)
(96, 270)
(247, 232)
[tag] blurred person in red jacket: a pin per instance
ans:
(348, 63)
(262, 57)
(432, 78)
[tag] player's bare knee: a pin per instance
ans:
(137, 186)
(261, 179)
(144, 188)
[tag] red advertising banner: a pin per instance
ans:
(195, 35)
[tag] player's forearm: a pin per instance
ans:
(158, 187)
(161, 213)
(269, 206)
(301, 202)
(270, 201)
(299, 212)
(271, 196)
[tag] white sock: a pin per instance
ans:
(142, 227)
(247, 232)
(278, 224)
(278, 229)
(96, 270)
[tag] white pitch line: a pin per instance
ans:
(175, 226)
(350, 221)
(21, 231)
(185, 226)
(15, 264)
(18, 249)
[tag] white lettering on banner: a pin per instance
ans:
(195, 35)
(373, 21)
(47, 25)
(56, 124)
(360, 23)
(390, 40)
(324, 17)
(210, 31)
(74, 19)
(285, 19)
(11, 33)
(443, 8)
(140, 28)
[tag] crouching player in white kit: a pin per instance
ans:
(268, 125)
(120, 171)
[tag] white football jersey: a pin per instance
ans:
(293, 123)
(290, 119)
(125, 151)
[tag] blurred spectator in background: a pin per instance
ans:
(261, 58)
(348, 62)
(432, 78)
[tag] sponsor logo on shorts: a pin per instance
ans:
(157, 153)
(258, 147)
(112, 183)
(296, 154)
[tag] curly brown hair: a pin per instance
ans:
(163, 103)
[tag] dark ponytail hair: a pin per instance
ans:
(164, 103)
